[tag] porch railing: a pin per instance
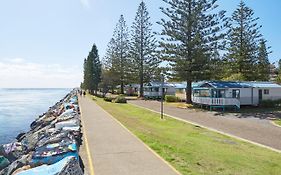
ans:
(216, 101)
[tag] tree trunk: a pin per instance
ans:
(189, 59)
(188, 92)
(141, 82)
(141, 56)
(122, 87)
(141, 89)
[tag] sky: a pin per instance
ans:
(43, 42)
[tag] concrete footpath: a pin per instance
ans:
(110, 149)
(259, 131)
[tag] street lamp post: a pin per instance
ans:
(162, 96)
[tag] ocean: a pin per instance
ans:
(19, 108)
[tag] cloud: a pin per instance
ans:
(19, 73)
(85, 3)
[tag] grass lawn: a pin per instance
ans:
(191, 149)
(278, 122)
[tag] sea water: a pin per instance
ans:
(20, 107)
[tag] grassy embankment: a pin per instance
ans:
(191, 149)
(278, 122)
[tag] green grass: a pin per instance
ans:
(278, 122)
(194, 150)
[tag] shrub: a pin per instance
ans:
(171, 98)
(108, 99)
(120, 99)
(269, 103)
(99, 95)
(278, 102)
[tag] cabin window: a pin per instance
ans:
(196, 93)
(236, 93)
(156, 89)
(266, 91)
(218, 93)
(221, 93)
(204, 93)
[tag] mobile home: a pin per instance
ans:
(180, 89)
(132, 89)
(153, 89)
(222, 93)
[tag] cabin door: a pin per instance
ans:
(236, 93)
(260, 94)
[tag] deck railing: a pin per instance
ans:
(216, 101)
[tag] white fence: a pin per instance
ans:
(216, 101)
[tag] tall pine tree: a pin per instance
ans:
(117, 56)
(86, 76)
(96, 67)
(263, 64)
(92, 71)
(243, 40)
(191, 35)
(143, 47)
(89, 75)
(278, 79)
(109, 73)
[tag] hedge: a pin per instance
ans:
(270, 103)
(171, 98)
(108, 99)
(120, 99)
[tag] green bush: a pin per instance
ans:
(269, 103)
(99, 95)
(171, 98)
(120, 99)
(108, 99)
(278, 102)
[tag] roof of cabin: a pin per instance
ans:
(264, 85)
(224, 84)
(132, 85)
(158, 84)
(233, 84)
(213, 84)
(182, 85)
(179, 85)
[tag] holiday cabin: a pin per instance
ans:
(153, 90)
(216, 94)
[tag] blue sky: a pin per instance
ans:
(43, 43)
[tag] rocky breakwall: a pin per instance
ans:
(51, 147)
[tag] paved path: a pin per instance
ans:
(255, 130)
(114, 150)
